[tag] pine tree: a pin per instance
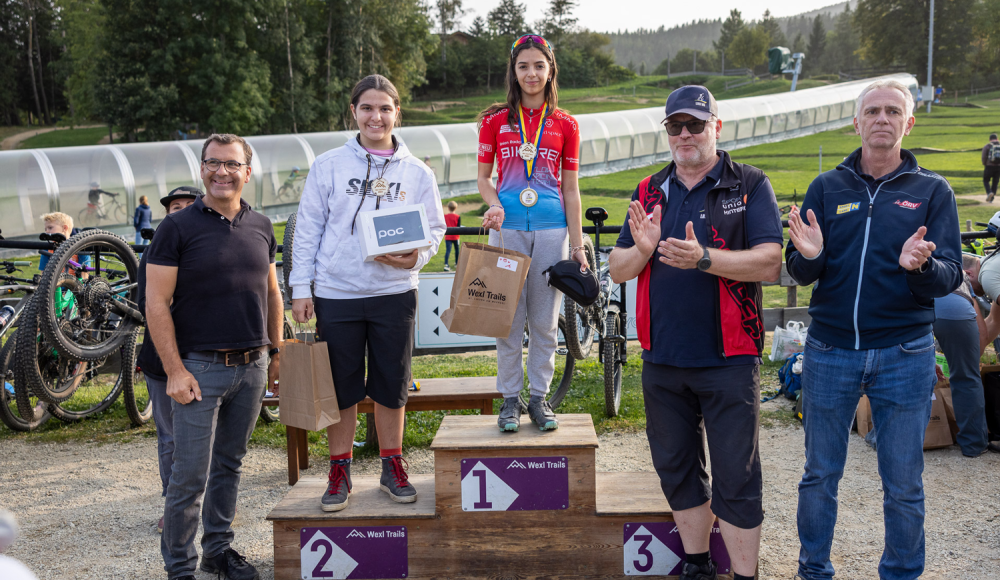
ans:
(817, 46)
(558, 21)
(769, 24)
(730, 28)
(508, 18)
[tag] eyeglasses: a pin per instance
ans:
(530, 38)
(694, 126)
(231, 166)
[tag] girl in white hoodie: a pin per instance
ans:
(363, 306)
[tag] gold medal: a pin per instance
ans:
(380, 186)
(529, 197)
(527, 151)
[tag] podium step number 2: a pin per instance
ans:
(360, 552)
(655, 549)
(498, 484)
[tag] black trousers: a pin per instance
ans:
(991, 175)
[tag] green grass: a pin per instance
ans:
(65, 138)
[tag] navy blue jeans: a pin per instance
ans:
(447, 250)
(210, 440)
(163, 417)
(899, 381)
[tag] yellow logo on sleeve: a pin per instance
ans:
(844, 208)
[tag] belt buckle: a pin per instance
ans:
(246, 358)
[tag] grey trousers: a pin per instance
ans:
(210, 438)
(960, 342)
(539, 304)
(162, 416)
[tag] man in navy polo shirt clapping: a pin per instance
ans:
(213, 309)
(702, 235)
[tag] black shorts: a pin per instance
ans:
(384, 326)
(724, 402)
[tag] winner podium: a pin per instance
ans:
(499, 505)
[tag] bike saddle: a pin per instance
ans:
(57, 238)
(598, 215)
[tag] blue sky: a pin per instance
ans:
(612, 15)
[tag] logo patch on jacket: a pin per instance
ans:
(908, 204)
(733, 205)
(846, 207)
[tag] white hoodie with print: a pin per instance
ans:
(327, 253)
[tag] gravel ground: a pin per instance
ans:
(89, 511)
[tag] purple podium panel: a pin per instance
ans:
(361, 552)
(498, 484)
(655, 549)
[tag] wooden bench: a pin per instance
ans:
(434, 395)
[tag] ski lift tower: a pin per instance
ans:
(780, 60)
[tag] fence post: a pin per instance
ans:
(793, 296)
(968, 225)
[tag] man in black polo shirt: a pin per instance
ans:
(702, 234)
(213, 307)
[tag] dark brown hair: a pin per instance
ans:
(514, 89)
(228, 139)
(379, 83)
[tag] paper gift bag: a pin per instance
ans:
(938, 432)
(943, 390)
(487, 287)
(864, 416)
(307, 397)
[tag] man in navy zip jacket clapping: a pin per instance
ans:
(879, 236)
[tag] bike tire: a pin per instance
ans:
(271, 414)
(86, 218)
(556, 396)
(287, 242)
(580, 335)
(95, 395)
(42, 371)
(612, 363)
(90, 295)
(9, 412)
(119, 214)
(135, 394)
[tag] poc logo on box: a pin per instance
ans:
(390, 232)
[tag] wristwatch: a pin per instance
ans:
(273, 351)
(705, 262)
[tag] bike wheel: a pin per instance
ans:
(103, 382)
(286, 253)
(612, 362)
(557, 395)
(102, 312)
(271, 414)
(86, 218)
(138, 403)
(45, 373)
(119, 214)
(9, 413)
(579, 331)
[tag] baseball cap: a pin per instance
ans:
(182, 192)
(695, 100)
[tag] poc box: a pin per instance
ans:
(398, 230)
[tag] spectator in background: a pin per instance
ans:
(882, 239)
(59, 223)
(452, 220)
(963, 333)
(991, 167)
(142, 219)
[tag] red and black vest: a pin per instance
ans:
(739, 307)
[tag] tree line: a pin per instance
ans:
(155, 69)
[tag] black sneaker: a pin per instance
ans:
(394, 480)
(691, 571)
(229, 564)
(510, 414)
(541, 413)
(338, 488)
(989, 197)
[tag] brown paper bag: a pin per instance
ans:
(943, 390)
(864, 416)
(308, 399)
(487, 287)
(938, 433)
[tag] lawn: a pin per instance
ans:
(65, 138)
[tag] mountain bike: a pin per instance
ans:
(37, 410)
(291, 190)
(94, 215)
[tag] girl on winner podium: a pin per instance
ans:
(534, 209)
(363, 304)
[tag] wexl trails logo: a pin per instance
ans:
(484, 293)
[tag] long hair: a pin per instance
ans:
(379, 83)
(514, 89)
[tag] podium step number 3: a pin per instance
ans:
(655, 549)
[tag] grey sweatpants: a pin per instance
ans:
(540, 304)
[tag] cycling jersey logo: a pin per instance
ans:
(478, 282)
(908, 204)
(549, 122)
(506, 128)
(485, 148)
(733, 206)
(846, 207)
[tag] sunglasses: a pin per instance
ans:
(530, 38)
(694, 126)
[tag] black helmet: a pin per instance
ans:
(582, 287)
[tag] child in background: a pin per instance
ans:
(452, 220)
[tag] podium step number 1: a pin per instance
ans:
(498, 484)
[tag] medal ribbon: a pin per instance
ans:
(529, 166)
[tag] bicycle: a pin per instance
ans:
(10, 414)
(291, 188)
(93, 216)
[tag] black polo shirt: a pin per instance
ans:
(220, 301)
